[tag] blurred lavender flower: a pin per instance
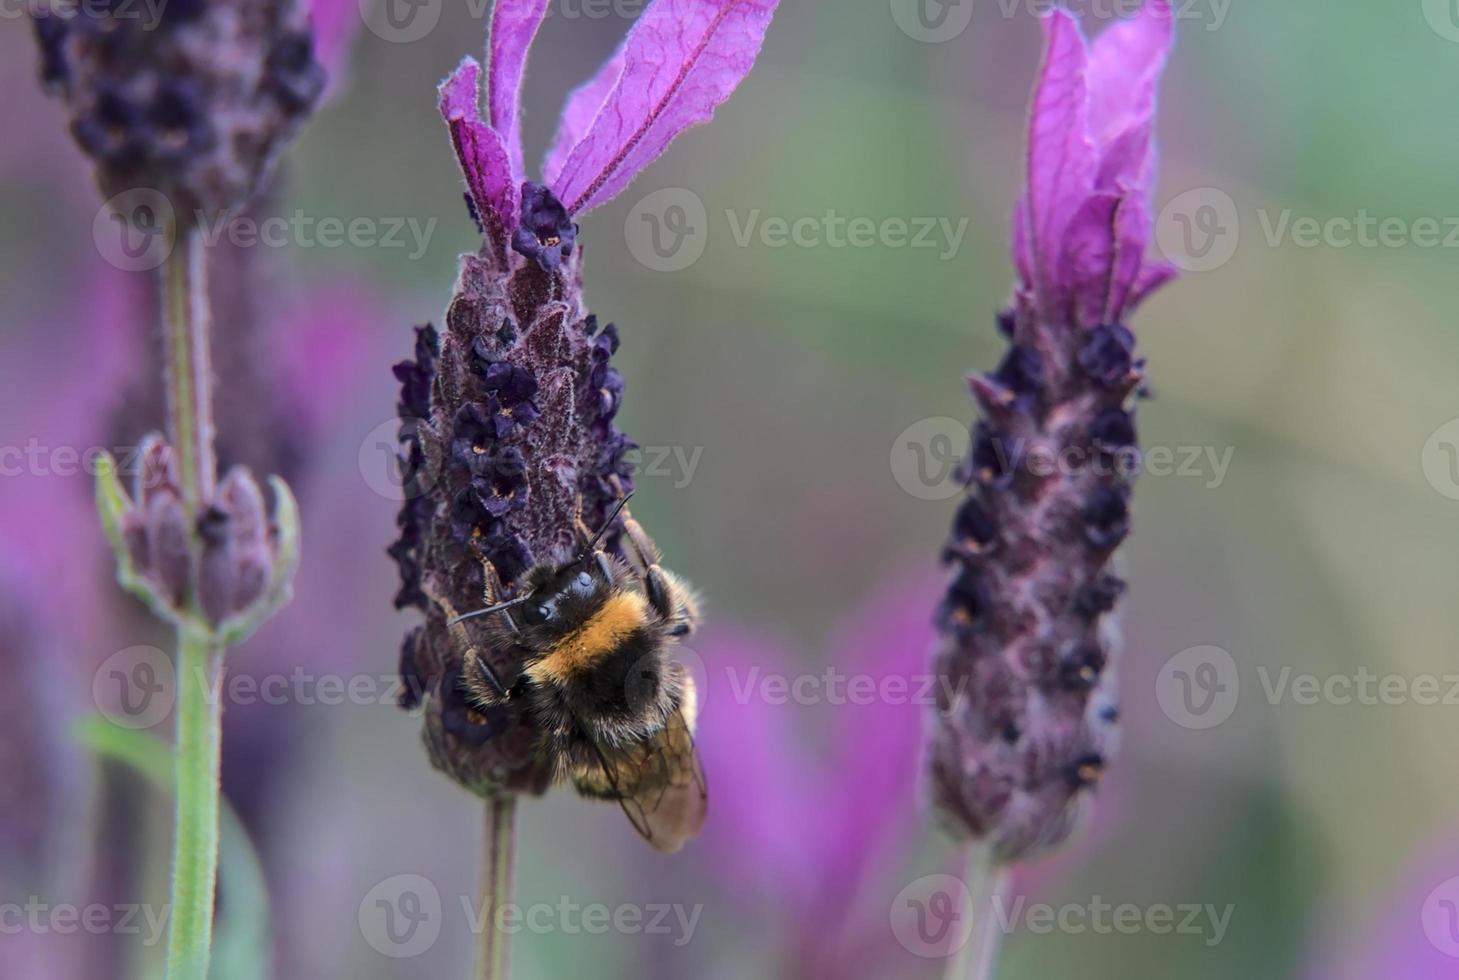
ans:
(509, 414)
(1413, 931)
(193, 99)
(1027, 721)
(42, 799)
(812, 839)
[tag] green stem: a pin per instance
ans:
(496, 887)
(195, 840)
(189, 383)
(189, 370)
(978, 958)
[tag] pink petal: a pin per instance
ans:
(1087, 259)
(1152, 276)
(1062, 161)
(681, 60)
(1131, 229)
(1022, 246)
(581, 109)
(479, 148)
(333, 24)
(514, 24)
(1124, 66)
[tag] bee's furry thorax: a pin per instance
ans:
(618, 621)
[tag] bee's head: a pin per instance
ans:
(563, 596)
(554, 600)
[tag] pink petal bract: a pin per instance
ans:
(1062, 159)
(514, 24)
(680, 61)
(578, 115)
(479, 148)
(333, 24)
(1081, 230)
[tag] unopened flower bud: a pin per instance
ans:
(228, 566)
(192, 99)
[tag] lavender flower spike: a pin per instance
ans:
(508, 413)
(1027, 639)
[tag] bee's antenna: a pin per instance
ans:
(607, 523)
(490, 609)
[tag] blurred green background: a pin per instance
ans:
(1328, 547)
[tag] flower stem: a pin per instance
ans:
(186, 322)
(195, 842)
(978, 958)
(496, 887)
(188, 378)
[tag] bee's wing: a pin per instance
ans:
(659, 782)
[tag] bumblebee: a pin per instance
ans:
(616, 713)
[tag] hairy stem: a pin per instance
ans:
(186, 322)
(195, 840)
(496, 887)
(188, 377)
(978, 958)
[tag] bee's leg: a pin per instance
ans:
(605, 564)
(669, 597)
(492, 589)
(481, 680)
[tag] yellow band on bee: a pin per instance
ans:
(604, 631)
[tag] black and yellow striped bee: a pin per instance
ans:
(615, 711)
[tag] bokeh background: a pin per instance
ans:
(797, 403)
